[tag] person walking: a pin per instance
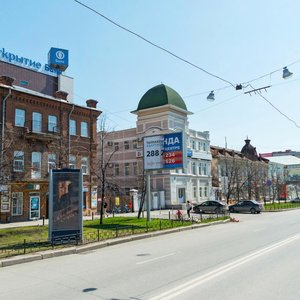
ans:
(188, 208)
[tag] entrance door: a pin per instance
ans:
(34, 207)
(181, 195)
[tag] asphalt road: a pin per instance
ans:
(256, 258)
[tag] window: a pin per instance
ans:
(193, 145)
(194, 192)
(84, 129)
(51, 161)
(194, 168)
(36, 122)
(126, 168)
(134, 144)
(72, 126)
(134, 168)
(205, 191)
(52, 123)
(36, 165)
(18, 161)
(117, 170)
(116, 146)
(200, 168)
(200, 191)
(127, 191)
(72, 161)
(126, 145)
(19, 117)
(85, 164)
(17, 204)
(204, 169)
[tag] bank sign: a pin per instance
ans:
(22, 61)
(58, 58)
(163, 151)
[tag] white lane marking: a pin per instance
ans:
(153, 259)
(181, 289)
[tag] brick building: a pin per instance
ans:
(41, 130)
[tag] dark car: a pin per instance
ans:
(296, 200)
(210, 206)
(250, 206)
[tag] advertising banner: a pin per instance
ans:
(153, 150)
(173, 151)
(65, 204)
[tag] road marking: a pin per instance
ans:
(154, 259)
(181, 289)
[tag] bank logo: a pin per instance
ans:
(60, 55)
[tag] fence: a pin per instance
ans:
(97, 235)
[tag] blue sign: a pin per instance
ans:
(173, 151)
(58, 58)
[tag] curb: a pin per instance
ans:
(97, 245)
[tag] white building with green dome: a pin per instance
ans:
(160, 111)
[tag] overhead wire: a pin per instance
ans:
(153, 44)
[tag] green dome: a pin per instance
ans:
(161, 95)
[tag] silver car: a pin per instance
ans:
(210, 206)
(250, 206)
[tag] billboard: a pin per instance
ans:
(65, 204)
(164, 151)
(173, 151)
(153, 151)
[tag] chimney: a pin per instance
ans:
(61, 95)
(6, 80)
(91, 103)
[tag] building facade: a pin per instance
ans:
(160, 111)
(239, 175)
(41, 131)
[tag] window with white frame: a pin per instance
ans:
(72, 125)
(52, 123)
(205, 191)
(126, 168)
(36, 122)
(85, 165)
(194, 168)
(194, 192)
(116, 169)
(72, 161)
(18, 165)
(36, 165)
(204, 169)
(200, 191)
(19, 117)
(84, 129)
(51, 161)
(193, 145)
(17, 203)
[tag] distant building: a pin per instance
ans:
(238, 175)
(281, 153)
(161, 110)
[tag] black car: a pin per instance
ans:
(296, 200)
(250, 206)
(210, 206)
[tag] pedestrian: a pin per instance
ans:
(105, 209)
(188, 208)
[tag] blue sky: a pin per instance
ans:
(235, 40)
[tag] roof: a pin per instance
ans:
(161, 95)
(285, 160)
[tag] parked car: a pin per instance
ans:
(250, 206)
(296, 200)
(210, 206)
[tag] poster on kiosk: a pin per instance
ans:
(65, 205)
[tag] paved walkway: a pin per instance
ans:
(154, 214)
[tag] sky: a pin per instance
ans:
(235, 40)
